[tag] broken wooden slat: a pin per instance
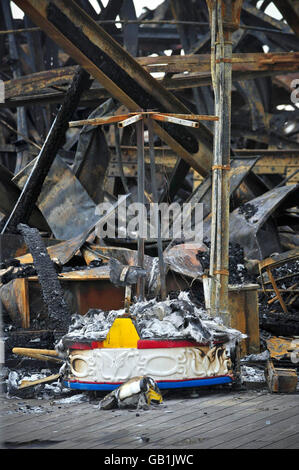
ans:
(40, 354)
(31, 383)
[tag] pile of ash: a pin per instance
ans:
(175, 318)
(238, 272)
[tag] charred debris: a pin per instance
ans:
(57, 166)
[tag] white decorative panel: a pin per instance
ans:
(118, 365)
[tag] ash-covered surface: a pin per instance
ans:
(238, 272)
(176, 318)
(252, 374)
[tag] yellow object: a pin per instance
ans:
(154, 396)
(122, 334)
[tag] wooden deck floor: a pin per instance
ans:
(215, 420)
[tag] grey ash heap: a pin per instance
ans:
(172, 319)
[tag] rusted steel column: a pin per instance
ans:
(224, 17)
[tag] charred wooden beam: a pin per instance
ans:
(195, 64)
(9, 195)
(50, 86)
(290, 11)
(51, 289)
(54, 141)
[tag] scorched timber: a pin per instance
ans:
(37, 87)
(51, 289)
(54, 141)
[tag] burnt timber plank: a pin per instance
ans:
(243, 62)
(31, 190)
(156, 418)
(164, 440)
(286, 420)
(89, 418)
(106, 431)
(40, 86)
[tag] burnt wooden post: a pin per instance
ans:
(224, 18)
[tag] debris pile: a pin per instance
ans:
(71, 170)
(171, 319)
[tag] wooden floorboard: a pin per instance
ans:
(204, 415)
(131, 421)
(166, 422)
(214, 420)
(237, 436)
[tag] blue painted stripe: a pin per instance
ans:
(161, 385)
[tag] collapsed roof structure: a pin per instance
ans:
(65, 69)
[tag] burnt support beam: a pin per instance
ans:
(31, 191)
(30, 89)
(290, 12)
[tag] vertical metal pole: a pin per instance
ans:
(156, 210)
(140, 189)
